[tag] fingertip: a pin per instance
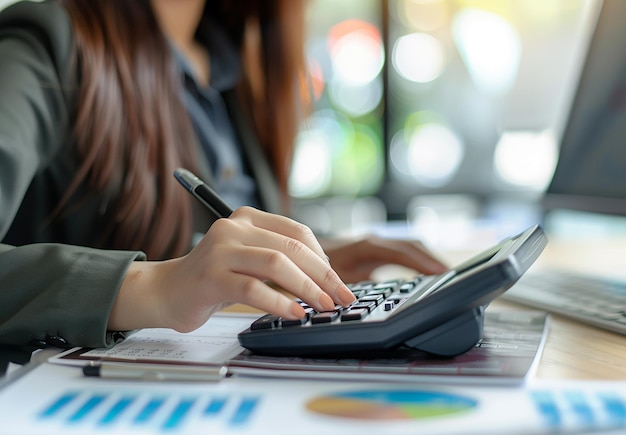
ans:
(346, 297)
(296, 310)
(432, 267)
(326, 302)
(439, 268)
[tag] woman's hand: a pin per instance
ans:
(356, 260)
(232, 264)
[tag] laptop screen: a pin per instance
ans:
(591, 171)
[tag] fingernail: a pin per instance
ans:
(440, 268)
(346, 297)
(326, 302)
(297, 310)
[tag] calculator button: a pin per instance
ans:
(386, 286)
(294, 322)
(407, 287)
(358, 293)
(384, 292)
(396, 300)
(369, 306)
(324, 317)
(377, 299)
(269, 321)
(354, 314)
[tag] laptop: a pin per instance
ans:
(590, 177)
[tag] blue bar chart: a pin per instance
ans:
(578, 409)
(151, 411)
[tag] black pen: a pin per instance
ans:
(203, 193)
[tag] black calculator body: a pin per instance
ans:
(438, 314)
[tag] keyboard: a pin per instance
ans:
(438, 314)
(589, 299)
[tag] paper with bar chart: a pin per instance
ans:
(54, 400)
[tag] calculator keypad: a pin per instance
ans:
(371, 296)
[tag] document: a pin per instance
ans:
(212, 344)
(57, 400)
(506, 355)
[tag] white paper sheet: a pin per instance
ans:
(506, 355)
(214, 344)
(55, 400)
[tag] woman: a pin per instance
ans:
(101, 101)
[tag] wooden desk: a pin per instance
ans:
(576, 351)
(573, 350)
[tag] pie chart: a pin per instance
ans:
(390, 404)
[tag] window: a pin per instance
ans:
(421, 97)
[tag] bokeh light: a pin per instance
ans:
(490, 47)
(310, 173)
(418, 57)
(356, 52)
(318, 141)
(427, 151)
(423, 15)
(356, 100)
(526, 158)
(359, 170)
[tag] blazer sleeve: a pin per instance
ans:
(50, 294)
(36, 96)
(60, 295)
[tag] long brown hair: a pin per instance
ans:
(131, 129)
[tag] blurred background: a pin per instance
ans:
(434, 116)
(433, 113)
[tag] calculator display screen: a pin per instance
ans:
(482, 258)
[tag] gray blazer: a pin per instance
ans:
(54, 289)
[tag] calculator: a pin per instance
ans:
(439, 314)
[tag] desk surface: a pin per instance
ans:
(577, 351)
